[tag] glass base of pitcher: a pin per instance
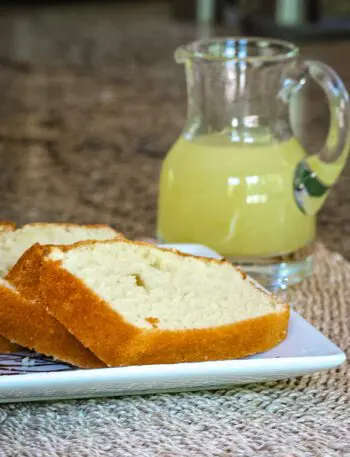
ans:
(278, 272)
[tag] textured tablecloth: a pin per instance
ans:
(307, 416)
(90, 101)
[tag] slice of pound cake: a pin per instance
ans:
(14, 243)
(23, 318)
(133, 303)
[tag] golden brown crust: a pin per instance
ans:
(25, 274)
(68, 224)
(23, 321)
(6, 347)
(7, 226)
(119, 343)
(122, 239)
(23, 317)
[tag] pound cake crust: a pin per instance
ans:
(119, 343)
(24, 319)
(40, 331)
(7, 226)
(6, 347)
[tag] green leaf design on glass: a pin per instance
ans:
(306, 179)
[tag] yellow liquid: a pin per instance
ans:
(236, 198)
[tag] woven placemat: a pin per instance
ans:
(308, 416)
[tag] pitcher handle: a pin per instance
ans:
(315, 175)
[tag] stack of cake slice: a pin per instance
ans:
(22, 318)
(110, 301)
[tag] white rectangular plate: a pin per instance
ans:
(304, 351)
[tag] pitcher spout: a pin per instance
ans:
(181, 54)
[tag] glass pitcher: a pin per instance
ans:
(237, 179)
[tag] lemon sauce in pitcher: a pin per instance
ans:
(235, 198)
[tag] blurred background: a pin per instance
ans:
(91, 100)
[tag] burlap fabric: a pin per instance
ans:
(308, 416)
